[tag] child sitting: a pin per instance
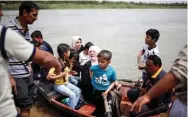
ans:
(61, 83)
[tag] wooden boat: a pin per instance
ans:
(54, 98)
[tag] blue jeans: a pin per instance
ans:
(74, 80)
(178, 109)
(71, 91)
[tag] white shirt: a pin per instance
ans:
(147, 53)
(83, 58)
(15, 46)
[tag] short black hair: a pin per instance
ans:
(154, 33)
(156, 60)
(73, 53)
(88, 45)
(36, 33)
(105, 54)
(28, 6)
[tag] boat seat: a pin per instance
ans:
(47, 90)
(87, 109)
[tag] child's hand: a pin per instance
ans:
(141, 66)
(105, 93)
(74, 73)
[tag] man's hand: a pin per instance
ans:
(139, 102)
(13, 85)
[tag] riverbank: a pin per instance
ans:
(9, 5)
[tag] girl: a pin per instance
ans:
(61, 83)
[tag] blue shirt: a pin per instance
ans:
(101, 78)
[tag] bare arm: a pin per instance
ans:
(54, 77)
(90, 73)
(167, 83)
(47, 60)
(139, 56)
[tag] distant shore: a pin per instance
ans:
(10, 5)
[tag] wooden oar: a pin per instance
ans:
(129, 80)
(108, 111)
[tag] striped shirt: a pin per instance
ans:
(179, 69)
(18, 69)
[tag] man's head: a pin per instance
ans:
(153, 64)
(104, 58)
(37, 38)
(152, 36)
(29, 11)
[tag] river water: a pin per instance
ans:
(122, 31)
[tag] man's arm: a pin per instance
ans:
(166, 84)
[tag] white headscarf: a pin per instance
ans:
(74, 45)
(93, 52)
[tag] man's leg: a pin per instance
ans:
(24, 97)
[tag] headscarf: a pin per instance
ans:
(93, 52)
(75, 45)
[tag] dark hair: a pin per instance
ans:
(88, 44)
(105, 54)
(73, 53)
(36, 33)
(154, 33)
(28, 6)
(61, 49)
(156, 60)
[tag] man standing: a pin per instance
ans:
(14, 45)
(21, 71)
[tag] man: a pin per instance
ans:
(154, 74)
(13, 45)
(37, 39)
(176, 77)
(21, 71)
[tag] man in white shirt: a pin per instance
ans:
(14, 45)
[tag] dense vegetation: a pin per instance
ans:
(12, 5)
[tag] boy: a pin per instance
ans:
(102, 76)
(150, 48)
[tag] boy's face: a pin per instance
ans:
(148, 40)
(103, 63)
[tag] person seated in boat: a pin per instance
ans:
(61, 83)
(102, 76)
(154, 74)
(84, 56)
(86, 85)
(78, 47)
(37, 39)
(150, 48)
(71, 63)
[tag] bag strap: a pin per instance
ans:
(2, 43)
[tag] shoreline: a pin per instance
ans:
(8, 5)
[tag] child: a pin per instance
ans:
(61, 83)
(150, 48)
(83, 56)
(86, 86)
(102, 76)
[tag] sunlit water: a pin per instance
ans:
(122, 31)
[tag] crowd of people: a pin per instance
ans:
(82, 71)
